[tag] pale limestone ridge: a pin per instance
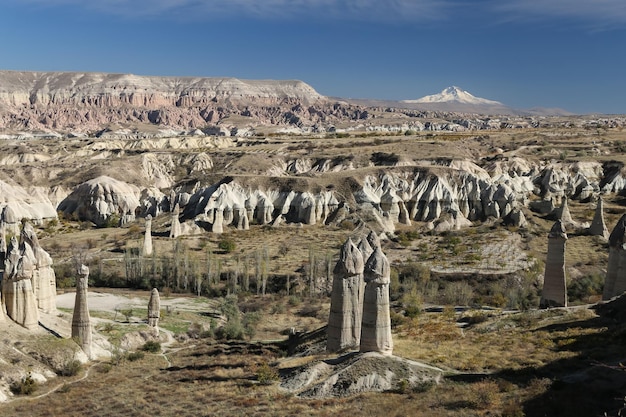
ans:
(598, 226)
(81, 322)
(554, 293)
(615, 279)
(376, 326)
(344, 322)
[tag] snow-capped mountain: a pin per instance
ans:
(454, 94)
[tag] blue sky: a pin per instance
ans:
(524, 53)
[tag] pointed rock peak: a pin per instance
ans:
(365, 248)
(29, 235)
(558, 230)
(377, 267)
(350, 259)
(373, 240)
(616, 238)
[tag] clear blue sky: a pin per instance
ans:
(551, 53)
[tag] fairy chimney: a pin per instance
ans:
(615, 279)
(81, 325)
(376, 323)
(147, 238)
(154, 309)
(175, 229)
(598, 227)
(18, 295)
(44, 278)
(554, 292)
(344, 321)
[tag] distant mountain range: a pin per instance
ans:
(455, 99)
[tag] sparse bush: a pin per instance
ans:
(70, 368)
(226, 244)
(151, 346)
(134, 356)
(265, 374)
(25, 386)
(485, 395)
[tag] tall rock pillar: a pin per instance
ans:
(376, 325)
(598, 227)
(81, 322)
(18, 294)
(344, 321)
(147, 238)
(616, 268)
(554, 292)
(154, 310)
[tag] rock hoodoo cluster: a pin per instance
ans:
(554, 292)
(359, 313)
(28, 281)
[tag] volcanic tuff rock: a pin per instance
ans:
(554, 293)
(100, 199)
(18, 294)
(615, 281)
(346, 303)
(376, 325)
(154, 309)
(81, 322)
(147, 240)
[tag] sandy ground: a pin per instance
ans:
(101, 301)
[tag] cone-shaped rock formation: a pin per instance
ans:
(554, 292)
(344, 322)
(376, 325)
(18, 294)
(615, 281)
(175, 228)
(598, 227)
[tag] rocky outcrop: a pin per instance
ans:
(344, 322)
(598, 226)
(147, 238)
(17, 203)
(554, 293)
(102, 200)
(154, 309)
(81, 322)
(615, 279)
(44, 278)
(18, 294)
(376, 324)
(175, 229)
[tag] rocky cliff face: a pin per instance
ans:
(64, 101)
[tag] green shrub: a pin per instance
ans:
(226, 244)
(265, 374)
(70, 368)
(151, 346)
(135, 356)
(24, 386)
